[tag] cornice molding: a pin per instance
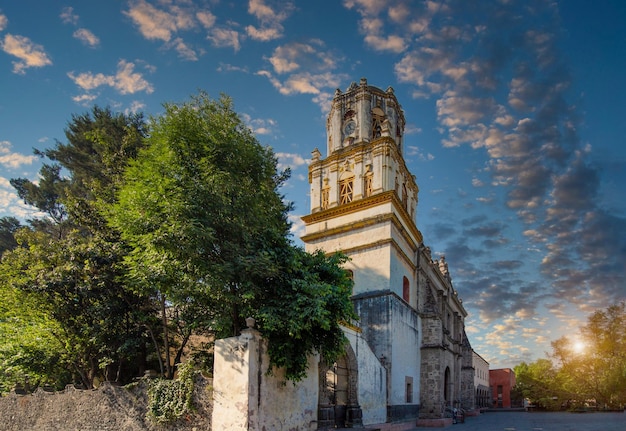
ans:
(404, 225)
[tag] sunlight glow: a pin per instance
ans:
(579, 346)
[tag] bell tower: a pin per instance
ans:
(363, 197)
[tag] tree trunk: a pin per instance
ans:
(166, 342)
(156, 349)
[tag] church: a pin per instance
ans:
(408, 361)
(411, 329)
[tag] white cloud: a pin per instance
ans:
(158, 24)
(263, 34)
(308, 56)
(271, 19)
(4, 21)
(68, 16)
(167, 22)
(85, 99)
(366, 7)
(225, 67)
(29, 53)
(184, 51)
(125, 80)
(135, 107)
(87, 37)
(223, 37)
(206, 18)
(11, 159)
(260, 126)
(291, 160)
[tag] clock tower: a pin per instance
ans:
(363, 197)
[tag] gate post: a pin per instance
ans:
(235, 381)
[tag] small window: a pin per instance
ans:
(406, 289)
(368, 185)
(409, 389)
(345, 191)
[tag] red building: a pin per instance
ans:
(501, 382)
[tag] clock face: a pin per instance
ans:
(349, 127)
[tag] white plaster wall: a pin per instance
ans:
(371, 269)
(482, 377)
(372, 380)
(231, 385)
(405, 347)
(285, 405)
(350, 218)
(246, 398)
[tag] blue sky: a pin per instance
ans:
(515, 122)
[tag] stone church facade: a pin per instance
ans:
(409, 358)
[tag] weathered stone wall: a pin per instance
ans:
(108, 408)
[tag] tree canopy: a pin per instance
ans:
(68, 262)
(589, 370)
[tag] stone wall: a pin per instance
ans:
(108, 408)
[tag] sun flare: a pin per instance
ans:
(579, 346)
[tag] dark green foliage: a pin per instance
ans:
(69, 262)
(8, 227)
(300, 314)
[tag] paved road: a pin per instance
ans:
(535, 421)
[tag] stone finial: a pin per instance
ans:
(315, 155)
(250, 321)
(443, 265)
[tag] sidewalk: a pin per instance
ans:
(535, 421)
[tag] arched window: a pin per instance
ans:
(346, 188)
(406, 289)
(378, 116)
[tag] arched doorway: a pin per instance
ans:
(338, 405)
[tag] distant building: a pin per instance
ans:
(501, 382)
(481, 381)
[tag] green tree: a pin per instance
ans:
(70, 260)
(201, 209)
(539, 382)
(30, 353)
(300, 312)
(597, 371)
